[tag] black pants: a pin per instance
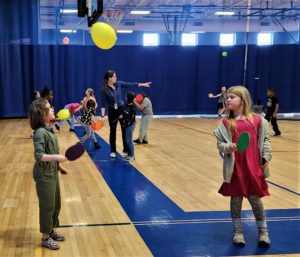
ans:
(113, 118)
(269, 117)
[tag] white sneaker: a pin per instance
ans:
(263, 238)
(124, 155)
(238, 237)
(129, 158)
(113, 155)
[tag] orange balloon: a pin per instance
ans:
(97, 125)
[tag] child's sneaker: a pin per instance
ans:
(50, 244)
(56, 236)
(124, 155)
(263, 238)
(137, 141)
(129, 158)
(238, 238)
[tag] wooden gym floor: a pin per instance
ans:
(165, 203)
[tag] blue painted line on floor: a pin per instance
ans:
(169, 231)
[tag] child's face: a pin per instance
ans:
(50, 114)
(50, 96)
(233, 102)
(269, 93)
(87, 93)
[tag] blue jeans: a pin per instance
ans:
(89, 133)
(129, 143)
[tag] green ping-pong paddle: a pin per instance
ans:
(243, 142)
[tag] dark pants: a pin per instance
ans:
(269, 117)
(113, 118)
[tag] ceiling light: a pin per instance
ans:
(224, 13)
(67, 31)
(124, 31)
(68, 11)
(140, 12)
(198, 32)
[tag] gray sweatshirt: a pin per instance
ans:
(224, 141)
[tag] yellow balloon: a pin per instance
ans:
(63, 114)
(103, 35)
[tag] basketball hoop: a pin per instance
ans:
(113, 17)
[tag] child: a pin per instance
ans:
(45, 171)
(259, 108)
(48, 95)
(147, 114)
(221, 101)
(89, 94)
(244, 173)
(35, 95)
(87, 119)
(73, 108)
(127, 120)
(272, 109)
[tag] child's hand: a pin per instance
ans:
(61, 158)
(233, 147)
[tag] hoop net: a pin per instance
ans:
(113, 17)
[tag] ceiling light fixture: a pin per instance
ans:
(124, 31)
(140, 12)
(225, 13)
(67, 31)
(68, 11)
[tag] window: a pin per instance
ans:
(264, 39)
(188, 39)
(150, 39)
(227, 39)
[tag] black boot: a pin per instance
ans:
(96, 145)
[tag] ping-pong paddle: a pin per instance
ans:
(75, 151)
(139, 98)
(243, 142)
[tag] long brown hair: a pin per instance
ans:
(108, 74)
(37, 112)
(246, 105)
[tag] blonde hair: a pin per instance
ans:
(246, 106)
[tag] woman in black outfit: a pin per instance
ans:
(111, 96)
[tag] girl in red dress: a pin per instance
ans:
(244, 172)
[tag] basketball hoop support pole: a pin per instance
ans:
(92, 16)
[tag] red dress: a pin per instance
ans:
(248, 178)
